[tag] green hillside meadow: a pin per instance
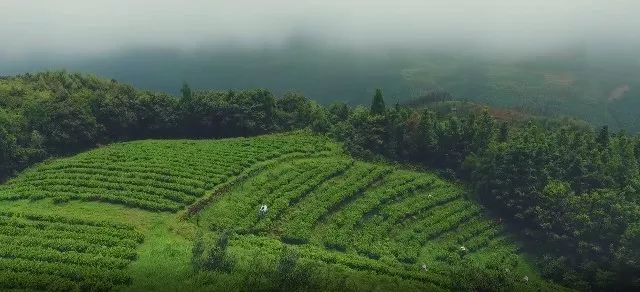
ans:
(152, 214)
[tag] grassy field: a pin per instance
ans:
(179, 215)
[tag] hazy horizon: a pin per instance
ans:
(87, 29)
(550, 57)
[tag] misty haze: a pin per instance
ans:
(461, 145)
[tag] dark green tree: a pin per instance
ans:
(293, 111)
(212, 255)
(503, 132)
(340, 111)
(8, 150)
(427, 136)
(603, 137)
(289, 275)
(186, 92)
(377, 106)
(483, 133)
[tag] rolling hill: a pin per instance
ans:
(141, 215)
(598, 89)
(601, 88)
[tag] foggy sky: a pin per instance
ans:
(87, 28)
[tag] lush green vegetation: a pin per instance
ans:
(64, 253)
(575, 82)
(56, 113)
(63, 250)
(329, 217)
(569, 192)
(370, 225)
(154, 175)
(373, 218)
(601, 89)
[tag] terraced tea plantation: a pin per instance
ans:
(58, 253)
(366, 217)
(54, 252)
(153, 175)
(137, 215)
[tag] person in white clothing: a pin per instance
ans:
(263, 210)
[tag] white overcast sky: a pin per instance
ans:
(87, 27)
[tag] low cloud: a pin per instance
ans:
(88, 28)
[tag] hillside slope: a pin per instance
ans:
(142, 215)
(601, 89)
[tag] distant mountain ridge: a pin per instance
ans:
(600, 89)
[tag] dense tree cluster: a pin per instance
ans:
(58, 113)
(572, 191)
